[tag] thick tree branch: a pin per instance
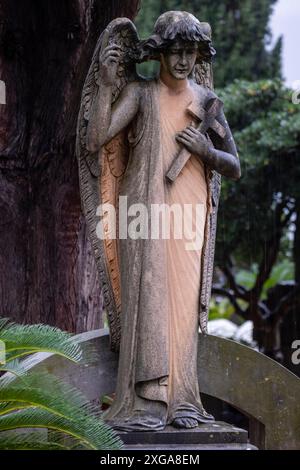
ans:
(238, 290)
(232, 298)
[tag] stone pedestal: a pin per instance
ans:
(210, 436)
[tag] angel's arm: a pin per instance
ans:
(223, 157)
(107, 120)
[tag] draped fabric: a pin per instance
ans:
(183, 259)
(160, 278)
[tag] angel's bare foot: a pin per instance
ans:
(187, 415)
(186, 423)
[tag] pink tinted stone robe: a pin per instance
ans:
(183, 264)
(160, 278)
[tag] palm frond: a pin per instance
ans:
(35, 338)
(51, 397)
(31, 400)
(68, 441)
(4, 322)
(13, 367)
(8, 407)
(18, 354)
(29, 441)
(91, 432)
(50, 384)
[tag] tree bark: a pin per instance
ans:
(47, 270)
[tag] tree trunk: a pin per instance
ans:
(47, 271)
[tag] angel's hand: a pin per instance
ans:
(194, 141)
(109, 60)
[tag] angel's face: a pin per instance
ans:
(179, 59)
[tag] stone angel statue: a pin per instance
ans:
(161, 142)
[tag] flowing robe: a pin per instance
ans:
(160, 278)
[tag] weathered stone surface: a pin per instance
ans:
(157, 374)
(190, 447)
(211, 433)
(253, 383)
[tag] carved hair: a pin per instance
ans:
(177, 25)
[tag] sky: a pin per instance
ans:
(286, 21)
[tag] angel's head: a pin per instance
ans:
(179, 41)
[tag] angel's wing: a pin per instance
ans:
(100, 174)
(203, 72)
(203, 75)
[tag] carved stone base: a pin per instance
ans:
(217, 435)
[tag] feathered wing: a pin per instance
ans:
(100, 174)
(203, 75)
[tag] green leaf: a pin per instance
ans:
(91, 432)
(29, 441)
(36, 338)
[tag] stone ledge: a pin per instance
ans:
(217, 433)
(190, 448)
